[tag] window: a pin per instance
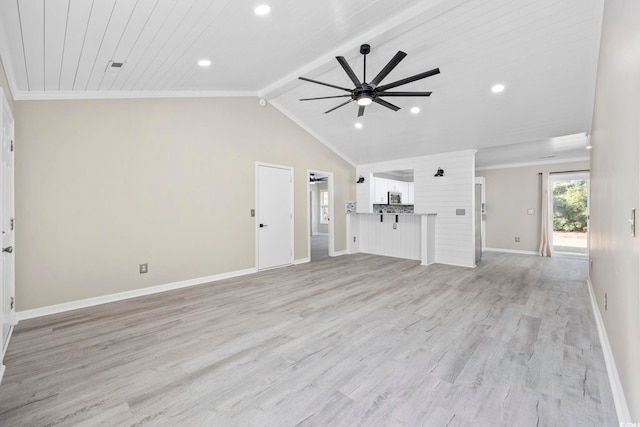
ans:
(324, 206)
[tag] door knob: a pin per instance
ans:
(8, 249)
(263, 225)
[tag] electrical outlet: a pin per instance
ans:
(144, 268)
(605, 301)
(354, 239)
(517, 240)
(395, 226)
(253, 212)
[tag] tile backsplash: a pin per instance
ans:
(392, 208)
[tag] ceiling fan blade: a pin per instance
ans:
(403, 94)
(349, 71)
(409, 79)
(323, 97)
(341, 105)
(386, 104)
(387, 68)
(360, 110)
(324, 84)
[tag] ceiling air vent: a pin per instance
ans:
(115, 67)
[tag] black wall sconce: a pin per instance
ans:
(360, 180)
(440, 172)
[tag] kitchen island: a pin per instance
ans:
(400, 235)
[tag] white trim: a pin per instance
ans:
(331, 222)
(90, 302)
(6, 344)
(340, 253)
(622, 410)
(542, 162)
(2, 369)
(372, 32)
(311, 132)
(512, 251)
(39, 96)
(301, 261)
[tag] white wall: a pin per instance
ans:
(454, 238)
(615, 188)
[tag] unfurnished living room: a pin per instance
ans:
(343, 213)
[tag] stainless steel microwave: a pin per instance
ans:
(395, 198)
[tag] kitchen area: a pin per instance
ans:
(421, 208)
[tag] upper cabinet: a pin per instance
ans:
(381, 187)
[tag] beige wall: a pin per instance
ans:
(104, 185)
(509, 193)
(615, 189)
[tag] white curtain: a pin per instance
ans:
(545, 248)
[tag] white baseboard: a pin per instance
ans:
(512, 251)
(340, 253)
(6, 344)
(301, 260)
(89, 302)
(624, 416)
(4, 351)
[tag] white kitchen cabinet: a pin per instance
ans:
(380, 189)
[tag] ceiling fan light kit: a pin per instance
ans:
(365, 93)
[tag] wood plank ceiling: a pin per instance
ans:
(545, 52)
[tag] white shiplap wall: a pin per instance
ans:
(380, 238)
(454, 235)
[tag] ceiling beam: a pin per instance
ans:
(407, 19)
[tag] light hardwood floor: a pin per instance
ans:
(353, 340)
(319, 247)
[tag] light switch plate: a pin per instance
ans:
(531, 212)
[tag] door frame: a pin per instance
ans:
(10, 289)
(257, 211)
(482, 181)
(562, 176)
(331, 212)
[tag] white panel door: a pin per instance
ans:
(7, 265)
(275, 216)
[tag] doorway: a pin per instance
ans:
(274, 216)
(320, 214)
(569, 206)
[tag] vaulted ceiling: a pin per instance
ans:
(544, 52)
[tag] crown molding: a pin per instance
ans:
(43, 96)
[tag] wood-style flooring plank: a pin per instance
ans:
(353, 340)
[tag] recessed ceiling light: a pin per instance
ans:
(262, 10)
(588, 147)
(204, 62)
(497, 88)
(415, 110)
(358, 125)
